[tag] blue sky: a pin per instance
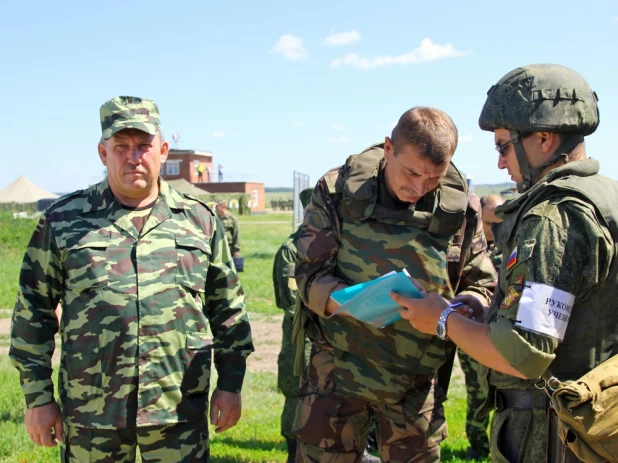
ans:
(273, 87)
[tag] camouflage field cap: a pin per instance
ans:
(305, 196)
(541, 98)
(129, 112)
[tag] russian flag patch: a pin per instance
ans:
(512, 259)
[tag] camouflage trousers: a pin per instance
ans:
(287, 382)
(476, 429)
(333, 428)
(174, 443)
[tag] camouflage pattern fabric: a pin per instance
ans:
(541, 97)
(285, 297)
(232, 231)
(129, 112)
(143, 316)
(382, 367)
(564, 231)
(182, 443)
(495, 255)
(333, 427)
(476, 429)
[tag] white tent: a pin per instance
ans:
(24, 191)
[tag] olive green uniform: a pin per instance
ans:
(285, 298)
(562, 234)
(476, 427)
(232, 231)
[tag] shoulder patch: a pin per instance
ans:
(513, 294)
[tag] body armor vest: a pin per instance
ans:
(375, 240)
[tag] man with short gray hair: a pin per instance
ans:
(150, 296)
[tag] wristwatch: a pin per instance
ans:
(441, 326)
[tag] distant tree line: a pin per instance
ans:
(282, 204)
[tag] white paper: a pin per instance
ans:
(544, 309)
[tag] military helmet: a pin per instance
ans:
(541, 98)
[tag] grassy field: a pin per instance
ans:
(256, 438)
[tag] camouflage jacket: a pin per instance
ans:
(232, 231)
(562, 234)
(283, 273)
(353, 232)
(142, 313)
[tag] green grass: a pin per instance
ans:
(14, 237)
(256, 438)
(259, 243)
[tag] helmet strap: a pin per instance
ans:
(524, 167)
(528, 174)
(569, 142)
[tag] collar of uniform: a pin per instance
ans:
(101, 197)
(583, 168)
(171, 197)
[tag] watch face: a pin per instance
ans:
(440, 330)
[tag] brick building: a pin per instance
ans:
(184, 164)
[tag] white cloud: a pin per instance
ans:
(427, 51)
(342, 38)
(74, 170)
(342, 139)
(298, 123)
(338, 127)
(218, 134)
(466, 138)
(615, 19)
(291, 47)
(393, 124)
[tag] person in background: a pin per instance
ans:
(286, 290)
(476, 428)
(489, 204)
(231, 226)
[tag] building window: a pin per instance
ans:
(173, 168)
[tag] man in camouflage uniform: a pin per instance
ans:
(476, 428)
(149, 297)
(554, 311)
(230, 224)
(489, 204)
(285, 298)
(400, 204)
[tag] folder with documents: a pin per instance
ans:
(370, 302)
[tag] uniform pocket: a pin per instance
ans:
(82, 368)
(511, 428)
(193, 256)
(330, 422)
(424, 416)
(198, 358)
(87, 263)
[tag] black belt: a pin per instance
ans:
(516, 399)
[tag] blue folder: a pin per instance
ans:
(370, 302)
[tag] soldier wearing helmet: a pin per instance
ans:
(553, 312)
